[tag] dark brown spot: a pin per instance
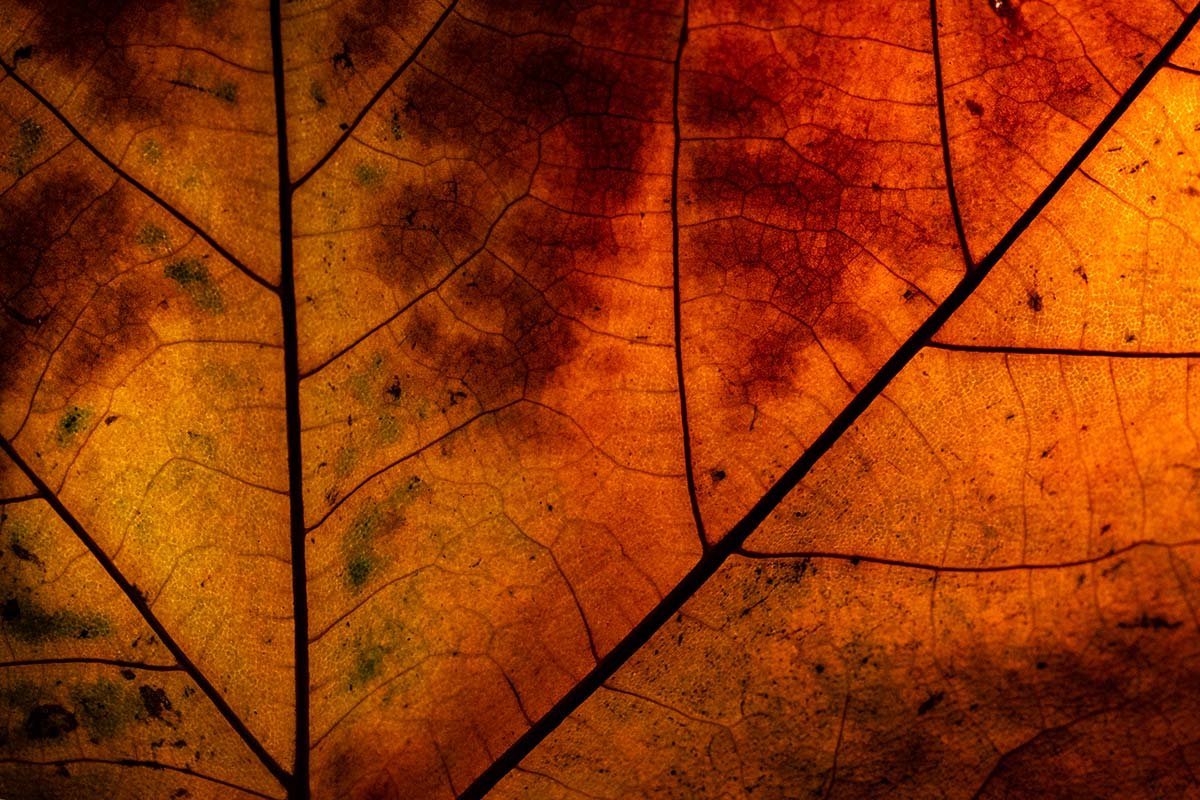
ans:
(49, 721)
(930, 703)
(24, 554)
(22, 54)
(342, 60)
(154, 700)
(1146, 621)
(89, 38)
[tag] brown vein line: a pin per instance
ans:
(134, 182)
(428, 292)
(899, 562)
(346, 134)
(143, 608)
(944, 133)
(132, 762)
(688, 466)
(408, 457)
(1002, 758)
(1057, 351)
(1181, 68)
(712, 559)
(837, 748)
(105, 662)
(21, 498)
(299, 787)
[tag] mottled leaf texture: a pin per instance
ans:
(646, 399)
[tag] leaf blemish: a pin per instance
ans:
(154, 700)
(23, 53)
(930, 703)
(30, 623)
(105, 708)
(153, 238)
(30, 136)
(192, 276)
(49, 721)
(73, 420)
(368, 176)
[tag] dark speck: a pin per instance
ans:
(930, 703)
(22, 553)
(1152, 623)
(1034, 302)
(342, 59)
(974, 108)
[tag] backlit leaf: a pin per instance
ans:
(785, 399)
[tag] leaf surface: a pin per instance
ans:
(540, 400)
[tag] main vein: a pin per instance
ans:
(299, 787)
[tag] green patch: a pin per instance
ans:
(317, 93)
(30, 623)
(373, 520)
(194, 179)
(21, 694)
(343, 463)
(73, 420)
(368, 175)
(151, 151)
(358, 570)
(358, 545)
(153, 238)
(225, 91)
(30, 136)
(201, 443)
(203, 11)
(367, 663)
(105, 708)
(364, 385)
(192, 276)
(389, 429)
